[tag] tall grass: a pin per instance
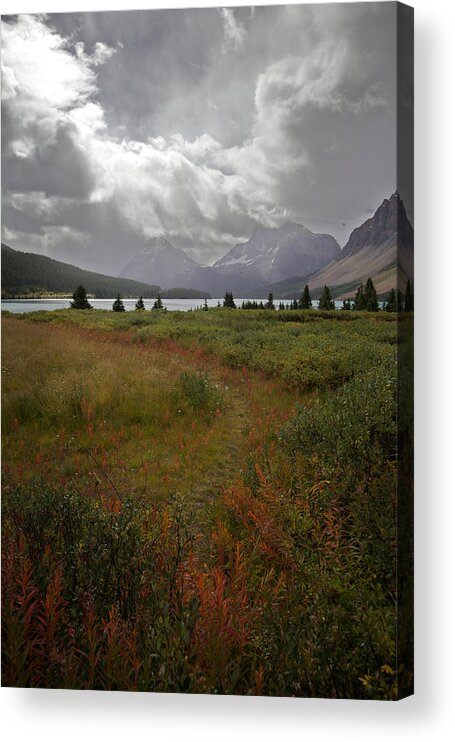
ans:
(188, 520)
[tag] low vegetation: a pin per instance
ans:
(200, 502)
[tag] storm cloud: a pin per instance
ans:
(196, 124)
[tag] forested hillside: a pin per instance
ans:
(26, 273)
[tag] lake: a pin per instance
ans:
(33, 305)
(172, 305)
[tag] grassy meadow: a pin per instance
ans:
(200, 502)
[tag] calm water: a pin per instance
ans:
(173, 305)
(33, 305)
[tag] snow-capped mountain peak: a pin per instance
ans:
(273, 254)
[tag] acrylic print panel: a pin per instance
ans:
(207, 285)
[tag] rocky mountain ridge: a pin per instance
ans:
(271, 254)
(389, 220)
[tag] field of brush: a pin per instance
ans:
(200, 502)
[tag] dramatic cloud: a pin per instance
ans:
(121, 126)
(38, 68)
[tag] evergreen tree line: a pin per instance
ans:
(366, 299)
(396, 302)
(304, 302)
(80, 301)
(118, 305)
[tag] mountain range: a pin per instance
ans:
(283, 259)
(274, 254)
(248, 268)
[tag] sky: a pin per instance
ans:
(197, 124)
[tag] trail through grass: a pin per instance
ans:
(80, 405)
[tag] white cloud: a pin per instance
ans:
(47, 90)
(53, 236)
(9, 83)
(43, 70)
(33, 202)
(197, 191)
(173, 185)
(185, 188)
(330, 79)
(234, 33)
(101, 53)
(88, 119)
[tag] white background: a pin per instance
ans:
(64, 715)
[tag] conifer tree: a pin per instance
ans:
(326, 301)
(158, 304)
(359, 301)
(229, 300)
(270, 304)
(370, 297)
(391, 304)
(305, 299)
(399, 301)
(118, 305)
(140, 304)
(80, 300)
(346, 304)
(206, 306)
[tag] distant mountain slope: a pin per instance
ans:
(24, 272)
(388, 221)
(276, 254)
(371, 250)
(269, 255)
(348, 273)
(163, 264)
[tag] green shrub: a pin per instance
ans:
(99, 548)
(199, 393)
